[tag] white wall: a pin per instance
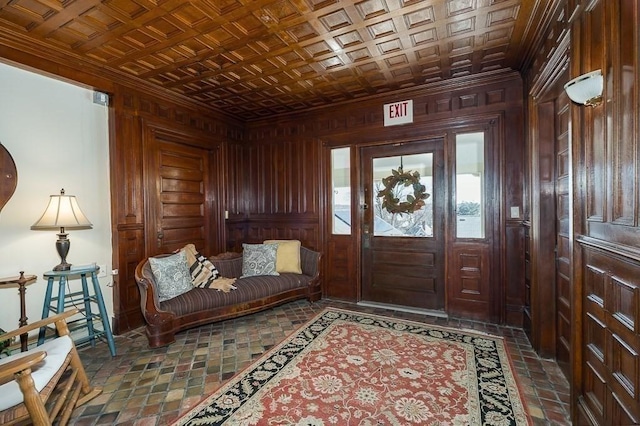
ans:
(58, 138)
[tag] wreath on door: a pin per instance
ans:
(413, 202)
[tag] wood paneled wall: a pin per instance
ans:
(280, 175)
(606, 364)
(274, 190)
(605, 215)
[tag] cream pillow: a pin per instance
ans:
(287, 256)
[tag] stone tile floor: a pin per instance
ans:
(143, 386)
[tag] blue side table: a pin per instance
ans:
(58, 304)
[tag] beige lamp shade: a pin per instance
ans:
(63, 211)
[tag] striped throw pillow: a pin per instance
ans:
(203, 272)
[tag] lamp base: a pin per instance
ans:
(62, 267)
(62, 247)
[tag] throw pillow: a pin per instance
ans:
(171, 274)
(259, 259)
(288, 255)
(203, 272)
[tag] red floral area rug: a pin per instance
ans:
(349, 368)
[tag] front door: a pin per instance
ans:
(403, 224)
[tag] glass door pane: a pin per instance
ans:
(402, 187)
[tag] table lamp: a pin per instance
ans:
(62, 212)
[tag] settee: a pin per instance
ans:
(199, 306)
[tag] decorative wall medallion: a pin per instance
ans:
(8, 176)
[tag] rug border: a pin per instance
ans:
(205, 401)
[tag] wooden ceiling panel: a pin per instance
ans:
(261, 57)
(382, 29)
(335, 20)
(300, 32)
(502, 16)
(420, 17)
(130, 10)
(456, 7)
(372, 8)
(190, 15)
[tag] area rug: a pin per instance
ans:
(349, 368)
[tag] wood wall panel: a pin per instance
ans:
(468, 292)
(283, 173)
(527, 320)
(129, 201)
(236, 197)
(362, 122)
(593, 35)
(563, 247)
(607, 225)
(257, 229)
(542, 241)
(274, 188)
(612, 336)
(625, 76)
(594, 392)
(514, 277)
(340, 269)
(598, 216)
(289, 228)
(127, 215)
(129, 240)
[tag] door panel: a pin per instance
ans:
(563, 242)
(179, 207)
(403, 254)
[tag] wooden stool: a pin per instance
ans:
(57, 304)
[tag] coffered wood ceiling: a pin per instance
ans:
(257, 58)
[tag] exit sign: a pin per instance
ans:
(398, 113)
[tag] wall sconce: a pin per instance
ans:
(62, 212)
(586, 89)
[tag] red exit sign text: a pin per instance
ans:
(398, 113)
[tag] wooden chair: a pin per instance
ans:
(45, 383)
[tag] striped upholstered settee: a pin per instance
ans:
(204, 305)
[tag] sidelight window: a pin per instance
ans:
(341, 191)
(470, 180)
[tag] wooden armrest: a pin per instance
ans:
(59, 319)
(8, 370)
